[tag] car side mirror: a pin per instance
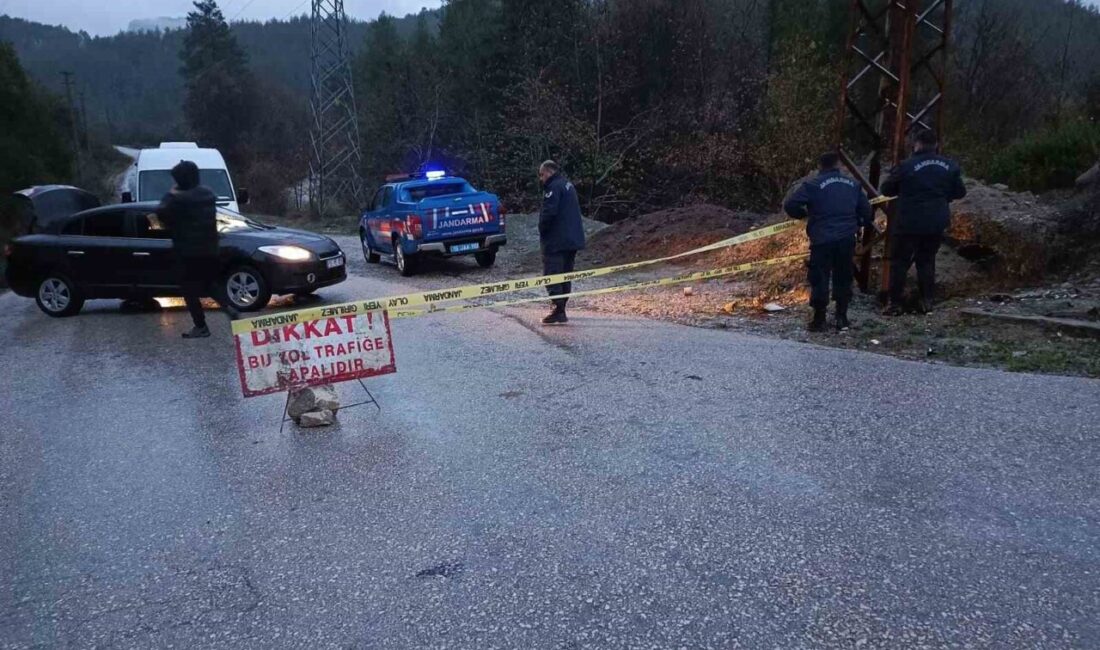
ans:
(127, 197)
(242, 196)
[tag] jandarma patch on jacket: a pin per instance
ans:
(830, 181)
(939, 163)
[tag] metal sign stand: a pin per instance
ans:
(370, 400)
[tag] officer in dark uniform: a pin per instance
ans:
(835, 208)
(189, 211)
(925, 185)
(561, 234)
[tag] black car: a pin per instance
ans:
(123, 251)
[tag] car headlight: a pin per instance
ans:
(288, 253)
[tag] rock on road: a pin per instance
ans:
(616, 483)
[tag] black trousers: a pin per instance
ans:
(553, 263)
(831, 261)
(197, 275)
(904, 251)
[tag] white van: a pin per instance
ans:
(150, 178)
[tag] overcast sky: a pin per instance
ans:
(103, 17)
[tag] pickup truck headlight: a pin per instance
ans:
(288, 253)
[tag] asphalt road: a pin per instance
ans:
(616, 483)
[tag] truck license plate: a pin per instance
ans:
(462, 248)
(335, 262)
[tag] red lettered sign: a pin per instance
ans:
(313, 347)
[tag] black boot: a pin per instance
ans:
(197, 332)
(842, 322)
(817, 324)
(556, 317)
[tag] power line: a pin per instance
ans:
(241, 10)
(294, 10)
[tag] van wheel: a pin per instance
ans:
(246, 289)
(57, 296)
(406, 264)
(368, 252)
(485, 259)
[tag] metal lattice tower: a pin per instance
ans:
(334, 178)
(897, 57)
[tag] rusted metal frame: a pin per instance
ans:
(908, 14)
(911, 119)
(867, 68)
(945, 59)
(919, 117)
(886, 72)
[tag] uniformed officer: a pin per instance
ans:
(561, 234)
(925, 185)
(835, 208)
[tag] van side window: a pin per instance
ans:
(387, 198)
(376, 203)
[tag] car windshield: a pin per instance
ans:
(155, 183)
(418, 193)
(232, 222)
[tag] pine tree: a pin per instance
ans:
(221, 104)
(33, 149)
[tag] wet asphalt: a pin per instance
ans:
(617, 483)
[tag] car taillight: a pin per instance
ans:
(414, 226)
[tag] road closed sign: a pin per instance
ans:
(312, 347)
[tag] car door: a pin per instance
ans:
(100, 258)
(381, 226)
(152, 268)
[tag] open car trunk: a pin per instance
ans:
(43, 205)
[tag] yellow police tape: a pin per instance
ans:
(396, 304)
(645, 284)
(399, 306)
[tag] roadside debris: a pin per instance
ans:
(773, 307)
(313, 407)
(1075, 327)
(314, 419)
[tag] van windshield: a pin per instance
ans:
(155, 183)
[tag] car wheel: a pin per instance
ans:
(246, 289)
(368, 253)
(486, 259)
(57, 296)
(405, 263)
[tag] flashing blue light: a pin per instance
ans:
(434, 175)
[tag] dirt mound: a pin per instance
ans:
(666, 232)
(1015, 230)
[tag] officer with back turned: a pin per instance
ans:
(189, 211)
(925, 185)
(835, 208)
(561, 234)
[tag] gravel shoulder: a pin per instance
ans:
(736, 303)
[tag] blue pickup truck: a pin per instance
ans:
(431, 214)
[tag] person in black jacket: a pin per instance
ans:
(189, 212)
(561, 234)
(925, 185)
(835, 208)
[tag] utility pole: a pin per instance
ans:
(67, 79)
(84, 122)
(896, 58)
(334, 169)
